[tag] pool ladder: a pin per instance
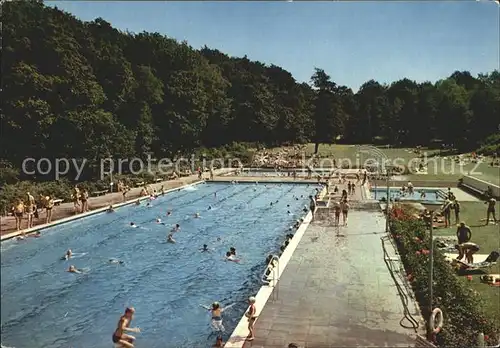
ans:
(273, 267)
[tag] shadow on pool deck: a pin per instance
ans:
(337, 291)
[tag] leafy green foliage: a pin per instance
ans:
(464, 316)
(74, 89)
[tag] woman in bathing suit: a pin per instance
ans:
(345, 210)
(119, 336)
(49, 204)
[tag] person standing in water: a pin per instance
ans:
(119, 336)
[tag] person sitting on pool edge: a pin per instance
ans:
(467, 249)
(119, 336)
(110, 209)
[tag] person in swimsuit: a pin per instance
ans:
(73, 269)
(176, 228)
(312, 205)
(345, 211)
(75, 196)
(84, 197)
(18, 211)
(170, 238)
(230, 257)
(464, 234)
(217, 317)
(119, 336)
(110, 209)
(49, 204)
(67, 255)
(251, 315)
(205, 249)
(232, 250)
(336, 209)
(30, 209)
(467, 249)
(133, 225)
(115, 261)
(490, 210)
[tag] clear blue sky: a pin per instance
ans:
(352, 42)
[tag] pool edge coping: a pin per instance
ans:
(86, 214)
(240, 332)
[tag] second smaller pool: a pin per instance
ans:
(420, 194)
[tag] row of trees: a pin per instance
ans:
(86, 90)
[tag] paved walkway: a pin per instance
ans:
(8, 223)
(336, 291)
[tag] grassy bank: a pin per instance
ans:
(466, 312)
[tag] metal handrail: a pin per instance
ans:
(274, 270)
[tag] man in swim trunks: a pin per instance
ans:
(345, 211)
(67, 255)
(490, 210)
(18, 211)
(464, 233)
(119, 336)
(30, 209)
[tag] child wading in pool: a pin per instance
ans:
(217, 311)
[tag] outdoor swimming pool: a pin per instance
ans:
(432, 196)
(286, 173)
(45, 306)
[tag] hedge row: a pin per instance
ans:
(464, 316)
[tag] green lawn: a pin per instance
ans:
(488, 238)
(438, 168)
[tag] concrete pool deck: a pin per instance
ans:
(336, 291)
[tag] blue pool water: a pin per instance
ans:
(432, 196)
(300, 173)
(45, 306)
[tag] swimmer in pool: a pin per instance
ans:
(217, 315)
(158, 220)
(115, 261)
(73, 269)
(232, 250)
(110, 209)
(37, 234)
(67, 255)
(197, 215)
(209, 207)
(230, 257)
(133, 225)
(169, 213)
(170, 238)
(205, 248)
(148, 205)
(137, 202)
(176, 228)
(119, 336)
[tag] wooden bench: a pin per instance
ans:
(99, 193)
(139, 184)
(58, 201)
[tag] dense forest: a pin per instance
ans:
(79, 89)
